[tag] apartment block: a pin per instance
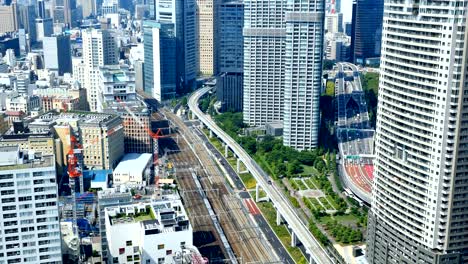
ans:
(30, 231)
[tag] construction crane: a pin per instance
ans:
(74, 172)
(155, 136)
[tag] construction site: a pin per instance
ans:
(224, 228)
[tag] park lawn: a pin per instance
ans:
(332, 202)
(316, 203)
(309, 170)
(311, 184)
(248, 180)
(269, 212)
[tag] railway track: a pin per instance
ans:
(245, 239)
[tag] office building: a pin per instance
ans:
(27, 20)
(136, 136)
(190, 48)
(206, 36)
(160, 73)
(419, 204)
(41, 10)
(64, 11)
(57, 54)
(229, 82)
(282, 71)
(148, 232)
(30, 224)
(108, 198)
(109, 7)
(183, 15)
(87, 7)
(9, 41)
(101, 135)
(44, 28)
(8, 18)
(337, 47)
(116, 83)
(366, 35)
(99, 49)
(348, 28)
(334, 23)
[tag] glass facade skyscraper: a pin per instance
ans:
(367, 32)
(283, 46)
(160, 59)
(230, 56)
(419, 210)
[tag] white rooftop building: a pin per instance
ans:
(151, 232)
(133, 169)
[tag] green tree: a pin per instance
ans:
(330, 89)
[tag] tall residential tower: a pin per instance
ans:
(283, 45)
(419, 208)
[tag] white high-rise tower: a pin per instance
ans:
(419, 209)
(283, 43)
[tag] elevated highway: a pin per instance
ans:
(300, 232)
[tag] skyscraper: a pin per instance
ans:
(57, 54)
(27, 16)
(206, 35)
(41, 11)
(160, 59)
(8, 18)
(230, 57)
(283, 45)
(367, 29)
(419, 205)
(30, 216)
(181, 13)
(99, 49)
(264, 58)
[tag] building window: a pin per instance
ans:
(168, 252)
(115, 260)
(161, 246)
(129, 243)
(121, 251)
(160, 260)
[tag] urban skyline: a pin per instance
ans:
(219, 131)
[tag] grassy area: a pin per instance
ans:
(300, 184)
(310, 183)
(248, 180)
(294, 185)
(282, 232)
(325, 203)
(309, 170)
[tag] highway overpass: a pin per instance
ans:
(300, 232)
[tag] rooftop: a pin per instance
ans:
(11, 158)
(133, 162)
(81, 116)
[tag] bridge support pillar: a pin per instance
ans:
(238, 165)
(211, 134)
(257, 192)
(293, 239)
(279, 219)
(226, 151)
(311, 259)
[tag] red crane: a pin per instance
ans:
(156, 136)
(74, 172)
